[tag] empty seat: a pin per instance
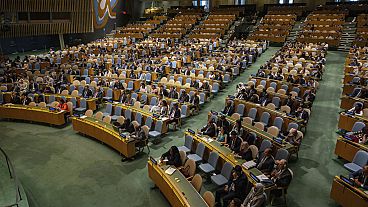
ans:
(210, 166)
(198, 156)
(359, 161)
(187, 144)
(222, 178)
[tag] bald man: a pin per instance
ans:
(361, 177)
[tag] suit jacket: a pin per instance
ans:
(284, 179)
(87, 93)
(240, 186)
(234, 144)
(209, 130)
(228, 110)
(172, 159)
(361, 178)
(267, 165)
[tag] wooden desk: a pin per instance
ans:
(91, 102)
(34, 114)
(347, 122)
(145, 114)
(347, 195)
(347, 149)
(105, 133)
(225, 155)
(347, 102)
(179, 194)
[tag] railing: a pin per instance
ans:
(12, 174)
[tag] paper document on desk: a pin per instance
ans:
(164, 118)
(262, 177)
(249, 164)
(170, 171)
(115, 102)
(83, 117)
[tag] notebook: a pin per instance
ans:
(249, 164)
(170, 170)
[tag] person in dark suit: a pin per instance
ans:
(244, 152)
(300, 113)
(281, 176)
(222, 122)
(235, 188)
(184, 97)
(266, 162)
(209, 129)
(172, 156)
(174, 115)
(15, 99)
(361, 177)
(87, 93)
(25, 100)
(234, 142)
(229, 108)
(173, 93)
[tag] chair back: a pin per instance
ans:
(146, 107)
(278, 122)
(148, 122)
(265, 118)
(128, 114)
(200, 149)
(273, 130)
(138, 118)
(226, 170)
(254, 150)
(42, 104)
(361, 158)
(292, 125)
(188, 142)
(264, 145)
(120, 119)
(70, 107)
(74, 93)
(137, 104)
(64, 92)
(247, 120)
(235, 116)
(146, 130)
(99, 115)
(107, 119)
(240, 109)
(158, 126)
(108, 108)
(271, 106)
(285, 109)
(183, 157)
(209, 198)
(252, 113)
(259, 125)
(358, 126)
(282, 154)
(135, 123)
(89, 113)
(213, 158)
(117, 111)
(191, 165)
(197, 182)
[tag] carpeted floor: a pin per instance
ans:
(58, 167)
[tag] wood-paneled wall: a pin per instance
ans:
(81, 17)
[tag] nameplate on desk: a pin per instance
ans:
(278, 140)
(347, 180)
(153, 160)
(191, 131)
(254, 177)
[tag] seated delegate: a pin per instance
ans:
(360, 177)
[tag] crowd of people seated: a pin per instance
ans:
(361, 38)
